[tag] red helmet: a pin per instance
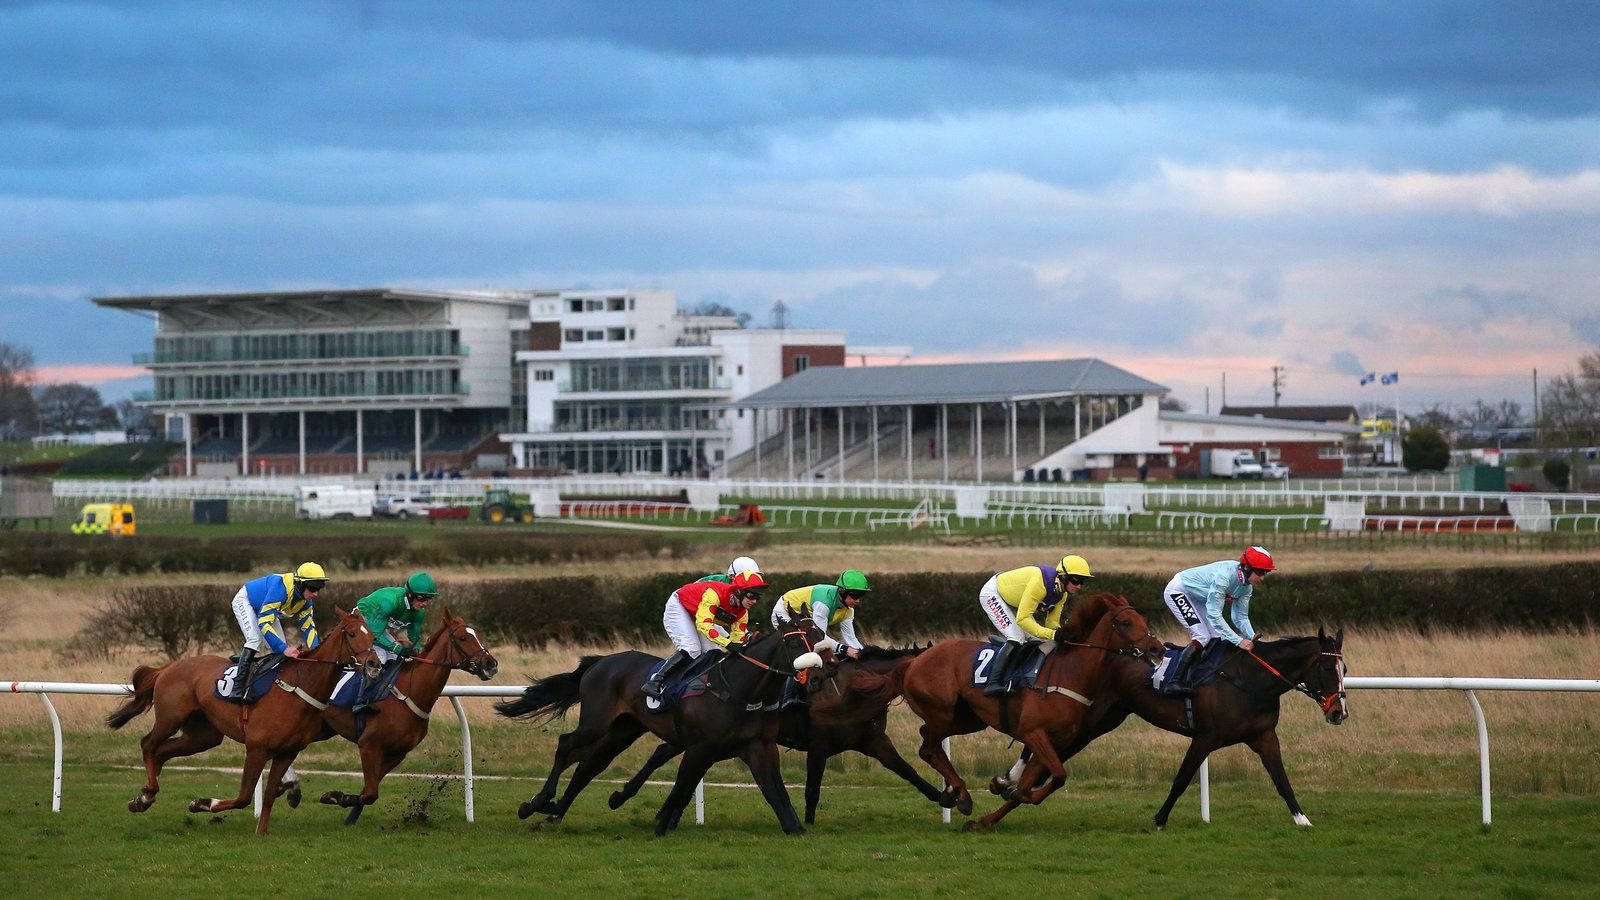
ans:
(745, 581)
(1257, 558)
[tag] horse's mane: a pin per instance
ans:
(434, 638)
(1086, 613)
(870, 652)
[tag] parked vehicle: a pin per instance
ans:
(1228, 463)
(1274, 469)
(403, 506)
(105, 518)
(335, 501)
(499, 506)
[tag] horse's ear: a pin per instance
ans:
(1339, 638)
(341, 613)
(1322, 634)
(447, 616)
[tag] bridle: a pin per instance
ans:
(800, 675)
(467, 662)
(1326, 701)
(1131, 650)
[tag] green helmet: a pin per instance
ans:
(853, 580)
(421, 585)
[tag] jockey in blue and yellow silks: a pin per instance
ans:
(261, 606)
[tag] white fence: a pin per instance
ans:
(1468, 686)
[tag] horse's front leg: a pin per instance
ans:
(761, 756)
(932, 753)
(663, 754)
(255, 759)
(1266, 746)
(1198, 751)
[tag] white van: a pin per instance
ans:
(335, 501)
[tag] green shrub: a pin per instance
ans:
(1558, 472)
(1425, 450)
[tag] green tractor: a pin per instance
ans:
(498, 506)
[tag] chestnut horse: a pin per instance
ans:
(276, 727)
(938, 687)
(401, 721)
(838, 718)
(1239, 707)
(729, 720)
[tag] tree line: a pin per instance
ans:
(28, 409)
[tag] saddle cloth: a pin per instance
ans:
(1204, 670)
(265, 672)
(1024, 671)
(689, 682)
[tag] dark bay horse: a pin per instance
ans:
(401, 721)
(838, 718)
(726, 721)
(1241, 706)
(938, 687)
(277, 727)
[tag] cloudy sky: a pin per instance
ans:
(1333, 188)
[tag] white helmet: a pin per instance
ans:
(742, 564)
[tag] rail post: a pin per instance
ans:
(1483, 752)
(1205, 790)
(55, 726)
(466, 753)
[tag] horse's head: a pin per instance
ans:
(1130, 634)
(352, 642)
(1324, 681)
(810, 646)
(467, 650)
(1087, 613)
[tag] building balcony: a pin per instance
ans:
(351, 398)
(629, 425)
(180, 359)
(645, 386)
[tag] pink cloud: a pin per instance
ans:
(92, 373)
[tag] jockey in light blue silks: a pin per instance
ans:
(1198, 596)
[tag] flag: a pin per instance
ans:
(1391, 378)
(1368, 378)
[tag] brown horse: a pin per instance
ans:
(1240, 707)
(277, 727)
(938, 687)
(838, 718)
(401, 721)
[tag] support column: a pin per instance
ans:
(360, 464)
(416, 431)
(1014, 440)
(788, 439)
(874, 443)
(666, 460)
(944, 442)
(244, 443)
(1041, 429)
(806, 414)
(302, 442)
(910, 476)
(188, 444)
(977, 417)
(1077, 418)
(841, 445)
(757, 425)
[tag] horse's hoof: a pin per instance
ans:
(331, 798)
(200, 805)
(964, 804)
(795, 831)
(293, 795)
(998, 786)
(137, 805)
(1301, 820)
(971, 826)
(617, 799)
(553, 819)
(527, 809)
(947, 798)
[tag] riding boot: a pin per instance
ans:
(241, 683)
(371, 688)
(999, 679)
(1177, 684)
(658, 681)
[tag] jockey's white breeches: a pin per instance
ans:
(1003, 616)
(247, 620)
(1189, 615)
(680, 628)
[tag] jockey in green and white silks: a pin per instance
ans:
(388, 612)
(830, 606)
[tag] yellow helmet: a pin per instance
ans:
(310, 572)
(1074, 565)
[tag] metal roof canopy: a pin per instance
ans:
(1259, 422)
(158, 301)
(916, 385)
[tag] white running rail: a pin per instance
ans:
(1469, 686)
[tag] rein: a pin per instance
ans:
(799, 675)
(1324, 701)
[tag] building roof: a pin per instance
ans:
(829, 386)
(1260, 422)
(159, 301)
(1331, 413)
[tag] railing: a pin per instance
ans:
(1469, 686)
(643, 384)
(1191, 520)
(158, 359)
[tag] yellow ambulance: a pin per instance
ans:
(105, 518)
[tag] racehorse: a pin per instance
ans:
(401, 721)
(276, 727)
(837, 719)
(726, 721)
(938, 688)
(1240, 706)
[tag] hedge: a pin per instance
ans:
(56, 555)
(534, 611)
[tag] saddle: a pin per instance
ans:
(688, 682)
(262, 674)
(1203, 671)
(1024, 669)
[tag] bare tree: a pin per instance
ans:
(19, 415)
(1569, 411)
(70, 407)
(136, 420)
(1438, 416)
(1173, 404)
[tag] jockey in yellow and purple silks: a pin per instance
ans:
(1027, 605)
(827, 605)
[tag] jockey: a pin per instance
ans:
(387, 611)
(1197, 596)
(742, 564)
(262, 602)
(1026, 605)
(706, 614)
(827, 605)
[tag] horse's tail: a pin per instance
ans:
(547, 698)
(870, 690)
(142, 696)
